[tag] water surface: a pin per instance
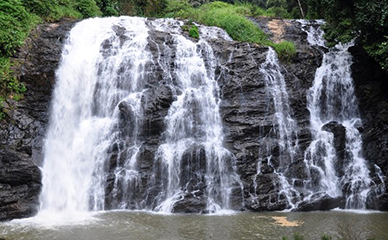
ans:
(143, 225)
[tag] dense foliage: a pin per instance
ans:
(17, 18)
(367, 21)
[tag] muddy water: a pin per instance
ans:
(143, 225)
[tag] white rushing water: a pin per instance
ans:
(284, 126)
(104, 67)
(331, 100)
(193, 123)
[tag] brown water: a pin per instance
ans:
(143, 225)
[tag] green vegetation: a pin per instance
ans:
(220, 14)
(365, 20)
(285, 50)
(326, 237)
(233, 19)
(17, 19)
(146, 8)
(193, 32)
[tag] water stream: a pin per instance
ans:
(98, 126)
(334, 158)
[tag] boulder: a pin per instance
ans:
(339, 142)
(20, 185)
(321, 202)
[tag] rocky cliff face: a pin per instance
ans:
(23, 130)
(248, 119)
(371, 83)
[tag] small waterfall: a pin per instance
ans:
(334, 158)
(284, 129)
(192, 154)
(98, 126)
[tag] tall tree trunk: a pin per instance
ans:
(301, 9)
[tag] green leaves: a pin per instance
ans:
(17, 18)
(87, 8)
(193, 32)
(15, 24)
(366, 20)
(232, 19)
(379, 51)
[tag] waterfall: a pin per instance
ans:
(284, 128)
(98, 126)
(135, 124)
(192, 153)
(334, 160)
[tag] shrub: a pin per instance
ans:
(285, 50)
(232, 19)
(379, 51)
(8, 83)
(193, 32)
(261, 12)
(87, 8)
(326, 237)
(15, 24)
(279, 12)
(229, 17)
(17, 18)
(298, 236)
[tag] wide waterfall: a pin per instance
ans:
(145, 117)
(334, 160)
(99, 130)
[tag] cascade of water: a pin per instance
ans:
(97, 117)
(285, 126)
(314, 34)
(194, 125)
(84, 116)
(332, 102)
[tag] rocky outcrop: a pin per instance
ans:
(22, 131)
(321, 202)
(20, 184)
(371, 87)
(339, 143)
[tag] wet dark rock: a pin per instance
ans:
(339, 133)
(191, 203)
(371, 86)
(23, 130)
(382, 203)
(321, 202)
(19, 185)
(193, 169)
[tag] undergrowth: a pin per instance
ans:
(17, 19)
(232, 18)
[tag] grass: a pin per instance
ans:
(17, 19)
(232, 18)
(285, 50)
